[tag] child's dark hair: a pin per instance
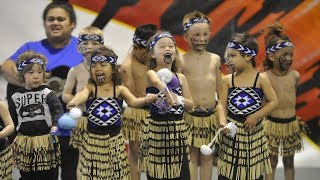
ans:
(103, 50)
(152, 63)
(249, 41)
(273, 37)
(61, 4)
(145, 32)
(29, 55)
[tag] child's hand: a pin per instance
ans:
(250, 122)
(225, 130)
(151, 98)
(53, 129)
(71, 104)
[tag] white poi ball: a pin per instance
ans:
(165, 75)
(205, 150)
(75, 113)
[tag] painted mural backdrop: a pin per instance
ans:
(301, 19)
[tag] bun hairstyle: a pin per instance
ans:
(274, 35)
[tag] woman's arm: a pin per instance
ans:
(7, 120)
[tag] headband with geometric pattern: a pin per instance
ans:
(162, 35)
(93, 37)
(26, 62)
(279, 46)
(241, 48)
(187, 25)
(139, 41)
(102, 58)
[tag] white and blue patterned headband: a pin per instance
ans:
(279, 46)
(139, 41)
(93, 37)
(241, 48)
(187, 25)
(103, 58)
(162, 35)
(26, 62)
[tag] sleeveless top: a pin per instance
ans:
(104, 114)
(243, 101)
(172, 113)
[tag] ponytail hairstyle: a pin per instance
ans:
(274, 35)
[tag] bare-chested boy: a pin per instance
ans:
(283, 128)
(202, 70)
(133, 73)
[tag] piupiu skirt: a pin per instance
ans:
(164, 149)
(285, 135)
(202, 128)
(103, 157)
(36, 153)
(6, 163)
(76, 138)
(246, 156)
(132, 122)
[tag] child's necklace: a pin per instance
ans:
(86, 66)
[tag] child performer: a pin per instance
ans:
(35, 111)
(164, 151)
(202, 70)
(90, 38)
(282, 126)
(102, 150)
(246, 156)
(6, 128)
(133, 73)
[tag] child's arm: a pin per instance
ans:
(218, 78)
(81, 97)
(126, 74)
(188, 102)
(132, 100)
(271, 103)
(7, 120)
(69, 86)
(55, 107)
(222, 103)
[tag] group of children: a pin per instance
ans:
(165, 124)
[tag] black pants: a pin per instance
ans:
(69, 159)
(39, 175)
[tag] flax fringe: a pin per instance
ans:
(132, 121)
(76, 139)
(249, 148)
(104, 156)
(202, 129)
(6, 164)
(36, 153)
(161, 139)
(285, 139)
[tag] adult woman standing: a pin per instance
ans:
(60, 48)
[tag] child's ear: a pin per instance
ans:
(247, 57)
(185, 36)
(271, 56)
(135, 47)
(79, 48)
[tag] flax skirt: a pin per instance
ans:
(164, 149)
(132, 122)
(36, 153)
(246, 156)
(6, 164)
